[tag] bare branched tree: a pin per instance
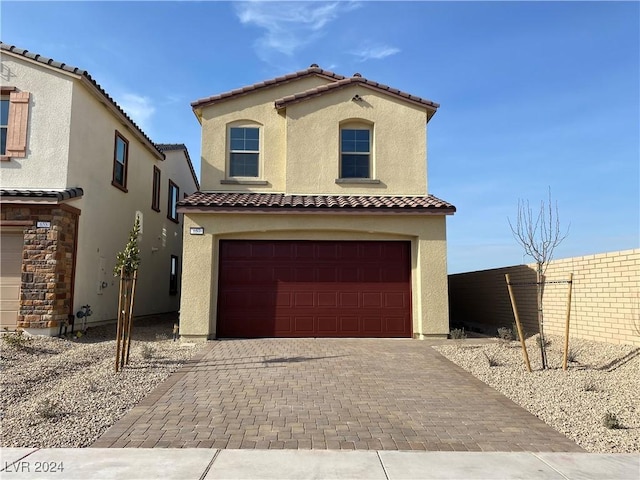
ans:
(539, 234)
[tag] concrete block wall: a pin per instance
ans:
(605, 302)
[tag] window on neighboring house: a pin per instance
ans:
(155, 199)
(14, 115)
(173, 276)
(4, 123)
(174, 195)
(355, 153)
(120, 162)
(244, 151)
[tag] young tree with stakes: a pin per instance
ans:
(127, 263)
(539, 235)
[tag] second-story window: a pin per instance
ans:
(174, 195)
(4, 123)
(155, 199)
(120, 162)
(244, 154)
(355, 153)
(14, 119)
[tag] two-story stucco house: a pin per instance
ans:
(314, 217)
(75, 173)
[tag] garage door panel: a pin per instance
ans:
(283, 323)
(327, 274)
(304, 274)
(395, 300)
(327, 299)
(303, 324)
(10, 278)
(350, 324)
(328, 324)
(393, 324)
(372, 325)
(314, 288)
(349, 300)
(371, 299)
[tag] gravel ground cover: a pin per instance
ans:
(601, 380)
(59, 392)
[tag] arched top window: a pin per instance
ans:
(356, 141)
(244, 149)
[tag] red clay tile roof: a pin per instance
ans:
(77, 71)
(314, 92)
(312, 70)
(59, 195)
(252, 201)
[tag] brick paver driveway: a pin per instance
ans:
(379, 394)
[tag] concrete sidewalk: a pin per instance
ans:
(200, 464)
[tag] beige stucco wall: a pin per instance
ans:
(605, 302)
(399, 150)
(70, 144)
(259, 108)
(45, 163)
(427, 235)
(300, 145)
(108, 213)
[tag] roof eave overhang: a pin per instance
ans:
(197, 105)
(97, 92)
(99, 95)
(315, 211)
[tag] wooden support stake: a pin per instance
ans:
(125, 323)
(130, 326)
(119, 326)
(566, 325)
(518, 325)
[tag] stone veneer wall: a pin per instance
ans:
(48, 256)
(605, 302)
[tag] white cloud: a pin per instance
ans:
(139, 108)
(289, 25)
(375, 52)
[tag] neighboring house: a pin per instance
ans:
(314, 218)
(75, 172)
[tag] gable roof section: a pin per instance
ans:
(357, 79)
(91, 83)
(166, 147)
(282, 203)
(313, 70)
(336, 82)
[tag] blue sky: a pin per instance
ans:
(534, 95)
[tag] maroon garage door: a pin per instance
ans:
(314, 289)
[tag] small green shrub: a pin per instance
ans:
(48, 409)
(492, 359)
(147, 351)
(539, 342)
(611, 421)
(572, 355)
(590, 386)
(16, 339)
(505, 334)
(516, 335)
(458, 334)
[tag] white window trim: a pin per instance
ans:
(241, 179)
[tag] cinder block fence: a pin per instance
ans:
(605, 302)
